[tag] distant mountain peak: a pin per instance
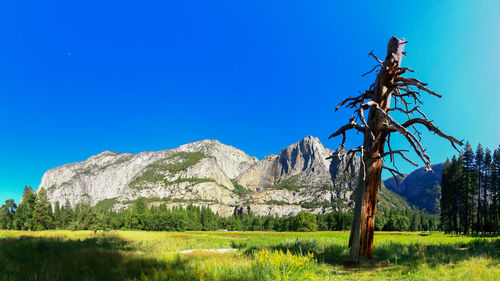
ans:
(310, 138)
(106, 153)
(206, 141)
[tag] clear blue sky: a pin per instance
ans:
(81, 77)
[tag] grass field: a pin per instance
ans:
(137, 255)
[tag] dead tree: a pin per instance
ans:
(377, 129)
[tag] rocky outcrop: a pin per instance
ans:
(209, 173)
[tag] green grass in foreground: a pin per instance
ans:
(138, 255)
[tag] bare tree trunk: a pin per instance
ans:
(359, 195)
(362, 231)
(361, 238)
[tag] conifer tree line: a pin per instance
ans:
(35, 213)
(470, 192)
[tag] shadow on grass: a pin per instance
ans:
(406, 254)
(99, 258)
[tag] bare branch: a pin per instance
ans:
(390, 149)
(378, 65)
(352, 152)
(408, 112)
(427, 123)
(369, 104)
(361, 115)
(417, 132)
(355, 100)
(414, 82)
(393, 172)
(402, 70)
(408, 93)
(400, 152)
(414, 142)
(419, 111)
(377, 59)
(404, 111)
(347, 153)
(343, 129)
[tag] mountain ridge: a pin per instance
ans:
(210, 173)
(420, 188)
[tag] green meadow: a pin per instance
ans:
(145, 255)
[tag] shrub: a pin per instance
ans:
(305, 221)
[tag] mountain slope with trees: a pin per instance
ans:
(420, 188)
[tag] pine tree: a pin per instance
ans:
(487, 194)
(415, 224)
(456, 191)
(446, 203)
(138, 214)
(7, 213)
(23, 218)
(43, 217)
(468, 189)
(66, 215)
(479, 172)
(57, 216)
(495, 188)
(208, 219)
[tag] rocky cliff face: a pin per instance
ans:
(305, 162)
(299, 178)
(420, 188)
(209, 173)
(195, 172)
